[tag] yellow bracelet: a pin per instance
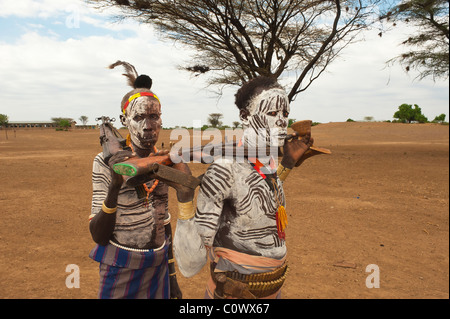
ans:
(107, 210)
(186, 210)
(283, 172)
(171, 261)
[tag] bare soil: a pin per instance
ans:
(381, 198)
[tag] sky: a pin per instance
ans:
(54, 56)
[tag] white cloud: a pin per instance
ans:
(37, 8)
(360, 84)
(44, 75)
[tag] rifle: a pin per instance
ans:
(112, 142)
(138, 169)
(303, 128)
(135, 167)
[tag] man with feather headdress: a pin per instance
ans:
(131, 225)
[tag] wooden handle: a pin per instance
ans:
(302, 127)
(138, 166)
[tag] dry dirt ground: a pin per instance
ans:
(381, 198)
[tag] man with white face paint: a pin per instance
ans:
(240, 219)
(265, 119)
(131, 225)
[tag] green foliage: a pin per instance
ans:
(4, 123)
(214, 119)
(3, 120)
(350, 120)
(291, 121)
(439, 118)
(62, 122)
(59, 119)
(407, 114)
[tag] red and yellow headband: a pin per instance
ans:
(137, 95)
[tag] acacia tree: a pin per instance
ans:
(237, 40)
(63, 123)
(214, 119)
(84, 119)
(429, 47)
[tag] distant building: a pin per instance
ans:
(44, 124)
(35, 124)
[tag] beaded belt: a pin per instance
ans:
(135, 249)
(260, 285)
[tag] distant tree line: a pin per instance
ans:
(407, 114)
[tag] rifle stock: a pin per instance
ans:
(303, 128)
(138, 166)
(138, 170)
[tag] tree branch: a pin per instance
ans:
(294, 91)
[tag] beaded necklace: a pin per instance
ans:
(280, 214)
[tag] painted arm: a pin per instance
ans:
(189, 250)
(194, 234)
(294, 153)
(106, 187)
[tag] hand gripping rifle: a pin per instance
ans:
(112, 142)
(110, 138)
(302, 128)
(137, 169)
